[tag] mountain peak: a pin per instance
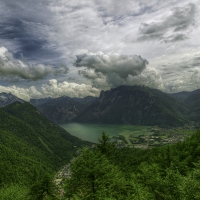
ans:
(8, 98)
(139, 105)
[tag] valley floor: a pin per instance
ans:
(156, 136)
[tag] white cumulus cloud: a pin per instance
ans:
(53, 89)
(23, 93)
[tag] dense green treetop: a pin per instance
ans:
(166, 173)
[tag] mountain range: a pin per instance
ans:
(182, 96)
(134, 105)
(122, 105)
(62, 109)
(32, 145)
(33, 148)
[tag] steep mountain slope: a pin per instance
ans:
(8, 98)
(182, 96)
(193, 103)
(134, 105)
(37, 102)
(63, 109)
(86, 100)
(29, 142)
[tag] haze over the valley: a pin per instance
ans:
(52, 48)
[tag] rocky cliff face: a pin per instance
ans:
(134, 105)
(37, 102)
(8, 98)
(62, 109)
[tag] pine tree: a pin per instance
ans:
(94, 177)
(105, 146)
(43, 189)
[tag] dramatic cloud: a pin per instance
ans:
(11, 67)
(182, 73)
(150, 77)
(180, 19)
(97, 78)
(39, 35)
(114, 68)
(53, 89)
(23, 93)
(24, 27)
(107, 71)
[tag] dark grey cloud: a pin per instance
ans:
(97, 79)
(40, 34)
(180, 20)
(175, 38)
(152, 36)
(11, 67)
(71, 78)
(21, 34)
(25, 25)
(109, 70)
(123, 65)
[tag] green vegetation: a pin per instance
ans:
(31, 147)
(14, 191)
(107, 172)
(139, 130)
(170, 172)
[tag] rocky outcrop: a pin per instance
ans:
(62, 109)
(8, 98)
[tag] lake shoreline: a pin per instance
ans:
(91, 132)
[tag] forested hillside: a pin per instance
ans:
(103, 172)
(33, 149)
(166, 173)
(31, 145)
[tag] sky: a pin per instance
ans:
(53, 48)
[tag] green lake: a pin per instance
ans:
(91, 132)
